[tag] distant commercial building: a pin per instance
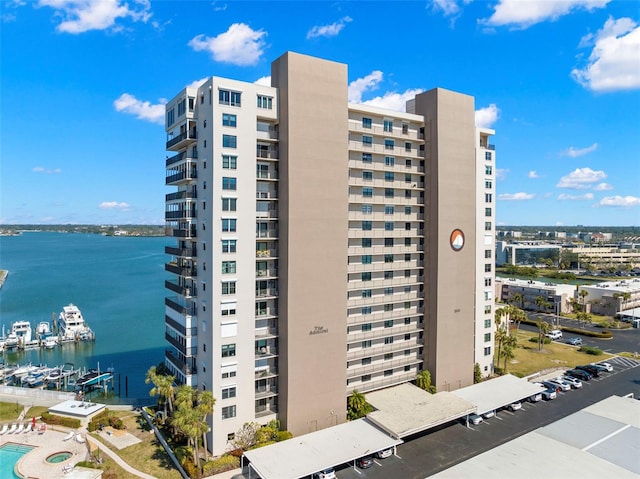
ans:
(557, 297)
(611, 297)
(323, 247)
(528, 253)
(624, 255)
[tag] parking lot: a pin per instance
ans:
(435, 450)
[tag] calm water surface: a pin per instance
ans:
(118, 284)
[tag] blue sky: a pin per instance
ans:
(84, 82)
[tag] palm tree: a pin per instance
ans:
(205, 402)
(583, 294)
(517, 298)
(543, 328)
(500, 338)
(186, 419)
(541, 303)
(166, 389)
(184, 394)
(509, 350)
(423, 381)
(357, 406)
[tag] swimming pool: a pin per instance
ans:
(10, 453)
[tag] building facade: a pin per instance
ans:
(323, 247)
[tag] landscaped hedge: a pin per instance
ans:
(591, 350)
(585, 332)
(108, 418)
(221, 464)
(54, 420)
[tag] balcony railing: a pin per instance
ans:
(267, 253)
(266, 351)
(263, 293)
(185, 233)
(186, 368)
(189, 135)
(187, 272)
(267, 410)
(266, 373)
(266, 392)
(181, 195)
(183, 348)
(269, 154)
(179, 215)
(266, 332)
(182, 252)
(185, 310)
(186, 175)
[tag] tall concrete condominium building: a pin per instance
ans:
(323, 247)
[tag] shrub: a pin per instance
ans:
(54, 420)
(591, 350)
(191, 469)
(284, 435)
(545, 340)
(221, 464)
(183, 453)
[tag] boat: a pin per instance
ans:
(72, 326)
(50, 342)
(43, 329)
(92, 378)
(19, 336)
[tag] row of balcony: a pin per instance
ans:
(183, 155)
(378, 130)
(183, 139)
(366, 386)
(182, 252)
(187, 366)
(185, 214)
(182, 176)
(185, 310)
(186, 271)
(181, 195)
(356, 368)
(381, 332)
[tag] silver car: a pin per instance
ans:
(565, 386)
(574, 382)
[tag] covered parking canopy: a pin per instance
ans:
(406, 409)
(304, 455)
(496, 393)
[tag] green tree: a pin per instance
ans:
(162, 387)
(477, 374)
(543, 329)
(542, 303)
(205, 402)
(423, 381)
(582, 294)
(246, 437)
(357, 406)
(517, 298)
(186, 419)
(508, 351)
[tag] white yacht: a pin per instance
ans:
(20, 334)
(71, 325)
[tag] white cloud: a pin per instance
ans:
(393, 100)
(603, 187)
(359, 86)
(586, 196)
(264, 81)
(80, 16)
(447, 7)
(143, 110)
(523, 14)
(328, 30)
(487, 116)
(620, 201)
(197, 83)
(576, 152)
(581, 178)
(239, 45)
(516, 196)
(533, 174)
(40, 169)
(501, 173)
(614, 63)
(114, 205)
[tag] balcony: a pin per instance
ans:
(182, 348)
(265, 392)
(267, 253)
(182, 252)
(268, 372)
(266, 407)
(268, 234)
(266, 292)
(267, 351)
(185, 214)
(367, 386)
(186, 271)
(181, 290)
(266, 332)
(267, 273)
(267, 153)
(182, 140)
(180, 157)
(179, 364)
(185, 232)
(181, 195)
(181, 177)
(184, 310)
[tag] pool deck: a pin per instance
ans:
(34, 464)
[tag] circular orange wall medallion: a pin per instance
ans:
(456, 240)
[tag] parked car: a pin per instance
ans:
(579, 373)
(590, 369)
(565, 386)
(608, 367)
(489, 414)
(475, 419)
(549, 385)
(602, 368)
(364, 462)
(574, 341)
(548, 393)
(325, 474)
(574, 382)
(514, 406)
(384, 453)
(554, 334)
(536, 397)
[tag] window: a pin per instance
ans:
(228, 310)
(367, 157)
(407, 194)
(228, 183)
(389, 161)
(388, 291)
(228, 412)
(182, 107)
(388, 210)
(366, 242)
(388, 340)
(367, 225)
(365, 327)
(407, 241)
(487, 323)
(366, 276)
(407, 177)
(228, 225)
(388, 242)
(265, 102)
(365, 361)
(229, 392)
(487, 268)
(407, 210)
(388, 323)
(366, 344)
(388, 258)
(228, 267)
(389, 144)
(366, 259)
(487, 295)
(229, 204)
(407, 321)
(405, 129)
(407, 163)
(388, 192)
(407, 226)
(367, 175)
(229, 141)
(366, 377)
(407, 337)
(366, 293)
(367, 140)
(487, 155)
(487, 254)
(388, 176)
(388, 225)
(228, 350)
(488, 169)
(488, 197)
(407, 146)
(366, 122)
(367, 209)
(171, 116)
(407, 256)
(388, 275)
(487, 309)
(388, 125)
(228, 287)
(367, 192)
(388, 372)
(487, 351)
(229, 371)
(388, 356)
(228, 120)
(488, 184)
(231, 98)
(487, 281)
(229, 246)
(487, 226)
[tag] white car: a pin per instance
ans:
(326, 474)
(607, 366)
(536, 397)
(515, 406)
(384, 453)
(475, 419)
(565, 386)
(489, 414)
(574, 382)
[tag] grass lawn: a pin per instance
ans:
(9, 411)
(529, 360)
(147, 456)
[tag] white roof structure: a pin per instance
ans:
(496, 393)
(304, 455)
(632, 313)
(82, 409)
(406, 409)
(602, 440)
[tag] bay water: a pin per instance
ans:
(116, 281)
